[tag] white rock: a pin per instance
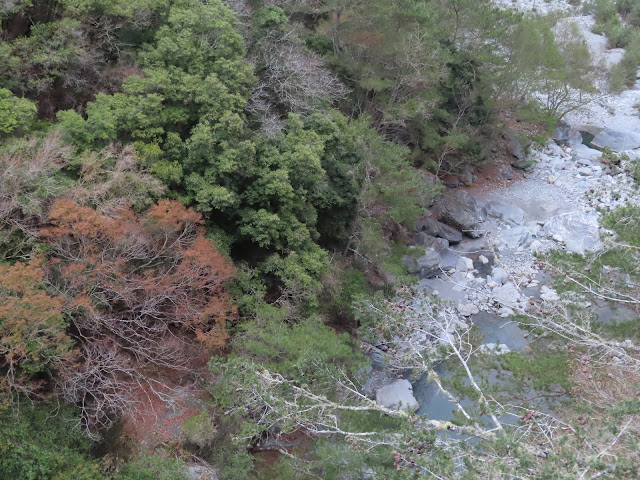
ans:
(507, 295)
(536, 246)
(484, 260)
(397, 395)
(499, 275)
(461, 265)
(552, 179)
(548, 294)
(469, 263)
(467, 309)
(580, 230)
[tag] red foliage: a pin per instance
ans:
(130, 283)
(33, 335)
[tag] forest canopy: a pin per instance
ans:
(196, 197)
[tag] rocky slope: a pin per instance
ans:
(479, 245)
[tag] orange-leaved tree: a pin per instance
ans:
(33, 332)
(135, 289)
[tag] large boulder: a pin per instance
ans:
(516, 148)
(582, 152)
(617, 140)
(507, 295)
(578, 230)
(562, 133)
(506, 212)
(433, 227)
(397, 395)
(451, 181)
(426, 266)
(516, 237)
(449, 259)
(466, 177)
(460, 210)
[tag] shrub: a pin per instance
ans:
(15, 113)
(39, 442)
(153, 468)
(199, 430)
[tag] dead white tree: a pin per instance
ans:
(290, 77)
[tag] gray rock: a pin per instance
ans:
(422, 239)
(584, 152)
(441, 245)
(421, 221)
(562, 133)
(438, 229)
(451, 181)
(450, 234)
(515, 147)
(200, 472)
(375, 379)
(448, 259)
(507, 295)
(377, 357)
(585, 162)
(499, 275)
(505, 212)
(466, 178)
(585, 171)
(462, 265)
(536, 246)
(525, 164)
(558, 164)
(468, 309)
(460, 210)
(548, 294)
(458, 277)
(397, 395)
(469, 263)
(426, 266)
(507, 173)
(578, 230)
(553, 149)
(515, 237)
(617, 140)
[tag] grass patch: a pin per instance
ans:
(623, 330)
(541, 370)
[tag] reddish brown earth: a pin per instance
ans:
(168, 399)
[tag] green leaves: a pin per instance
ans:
(15, 113)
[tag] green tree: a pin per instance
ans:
(41, 442)
(15, 113)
